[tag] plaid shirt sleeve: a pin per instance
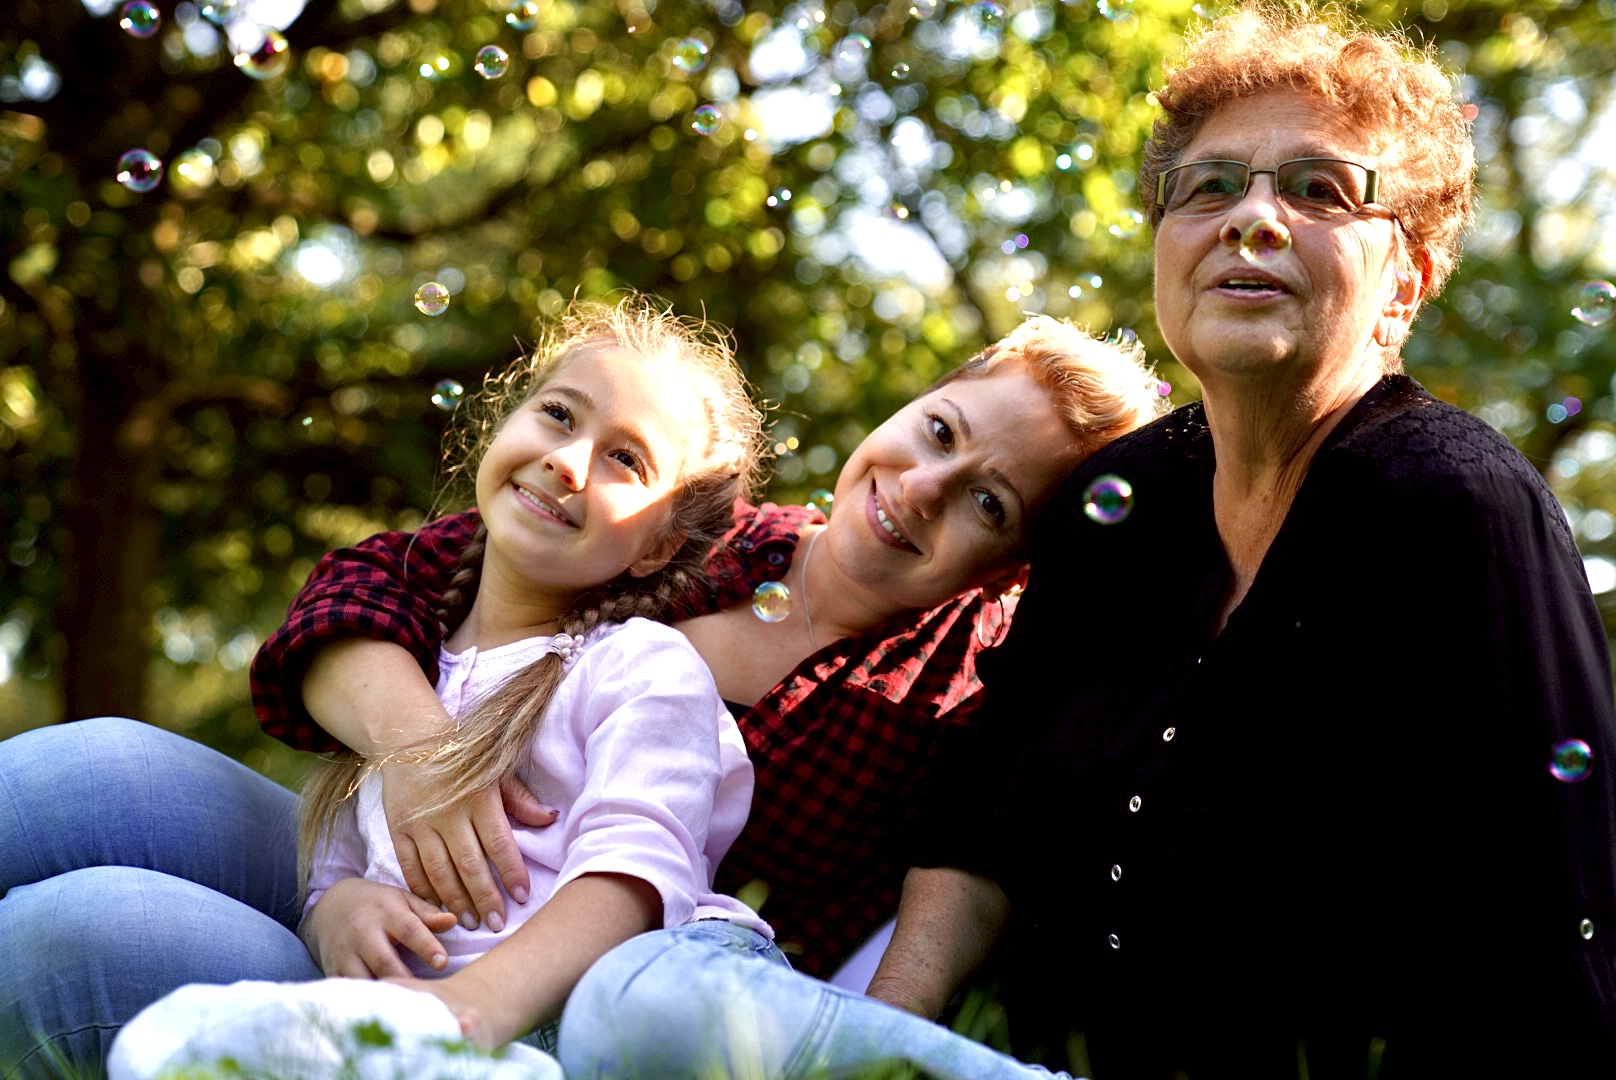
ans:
(385, 588)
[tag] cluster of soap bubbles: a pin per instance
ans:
(1595, 304)
(1108, 500)
(432, 299)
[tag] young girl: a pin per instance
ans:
(607, 469)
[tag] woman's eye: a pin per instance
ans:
(940, 430)
(991, 505)
(628, 461)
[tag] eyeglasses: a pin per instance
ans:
(1312, 187)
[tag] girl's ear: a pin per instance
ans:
(658, 556)
(1009, 582)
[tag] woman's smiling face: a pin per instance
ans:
(942, 496)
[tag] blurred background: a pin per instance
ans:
(252, 252)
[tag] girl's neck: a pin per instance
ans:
(505, 611)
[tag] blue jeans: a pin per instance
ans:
(715, 999)
(132, 861)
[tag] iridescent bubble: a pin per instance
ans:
(1263, 241)
(492, 62)
(706, 119)
(522, 15)
(217, 12)
(268, 58)
(900, 70)
(447, 394)
(779, 198)
(987, 15)
(1113, 9)
(1556, 413)
(771, 601)
(1586, 929)
(139, 19)
(1108, 499)
(139, 170)
(1123, 336)
(924, 9)
(1596, 302)
(1164, 388)
(1571, 761)
(852, 49)
(690, 55)
(432, 299)
(822, 500)
(435, 64)
(1127, 225)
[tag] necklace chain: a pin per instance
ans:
(807, 608)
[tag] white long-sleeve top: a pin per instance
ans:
(638, 755)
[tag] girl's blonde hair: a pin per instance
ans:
(493, 737)
(1100, 389)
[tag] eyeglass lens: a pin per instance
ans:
(1310, 186)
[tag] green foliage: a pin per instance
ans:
(204, 387)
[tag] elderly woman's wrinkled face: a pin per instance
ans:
(1312, 311)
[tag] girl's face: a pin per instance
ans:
(576, 487)
(941, 497)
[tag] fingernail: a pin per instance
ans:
(549, 809)
(495, 922)
(438, 961)
(519, 894)
(468, 920)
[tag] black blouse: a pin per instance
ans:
(1332, 830)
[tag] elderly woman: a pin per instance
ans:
(843, 703)
(1316, 777)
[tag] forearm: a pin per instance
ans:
(948, 923)
(524, 981)
(372, 695)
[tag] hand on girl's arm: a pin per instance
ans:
(523, 981)
(356, 927)
(374, 697)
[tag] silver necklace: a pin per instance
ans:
(807, 608)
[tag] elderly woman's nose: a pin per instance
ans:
(1260, 201)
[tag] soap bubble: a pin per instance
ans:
(924, 9)
(447, 394)
(852, 50)
(139, 19)
(217, 12)
(1164, 388)
(192, 170)
(707, 118)
(1596, 302)
(690, 55)
(140, 170)
(1108, 499)
(822, 500)
(1123, 336)
(771, 601)
(1570, 761)
(900, 70)
(432, 299)
(492, 62)
(987, 15)
(1263, 241)
(266, 57)
(779, 198)
(522, 15)
(1113, 9)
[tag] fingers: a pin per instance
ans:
(494, 833)
(414, 935)
(442, 871)
(409, 861)
(524, 806)
(436, 920)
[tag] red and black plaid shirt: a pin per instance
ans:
(842, 747)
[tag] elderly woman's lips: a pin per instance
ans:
(1250, 283)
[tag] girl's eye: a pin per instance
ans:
(940, 430)
(628, 461)
(557, 412)
(991, 505)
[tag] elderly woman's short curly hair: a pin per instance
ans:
(1392, 92)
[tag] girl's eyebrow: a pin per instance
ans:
(963, 423)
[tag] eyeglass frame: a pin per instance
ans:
(1371, 181)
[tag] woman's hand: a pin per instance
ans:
(445, 856)
(356, 928)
